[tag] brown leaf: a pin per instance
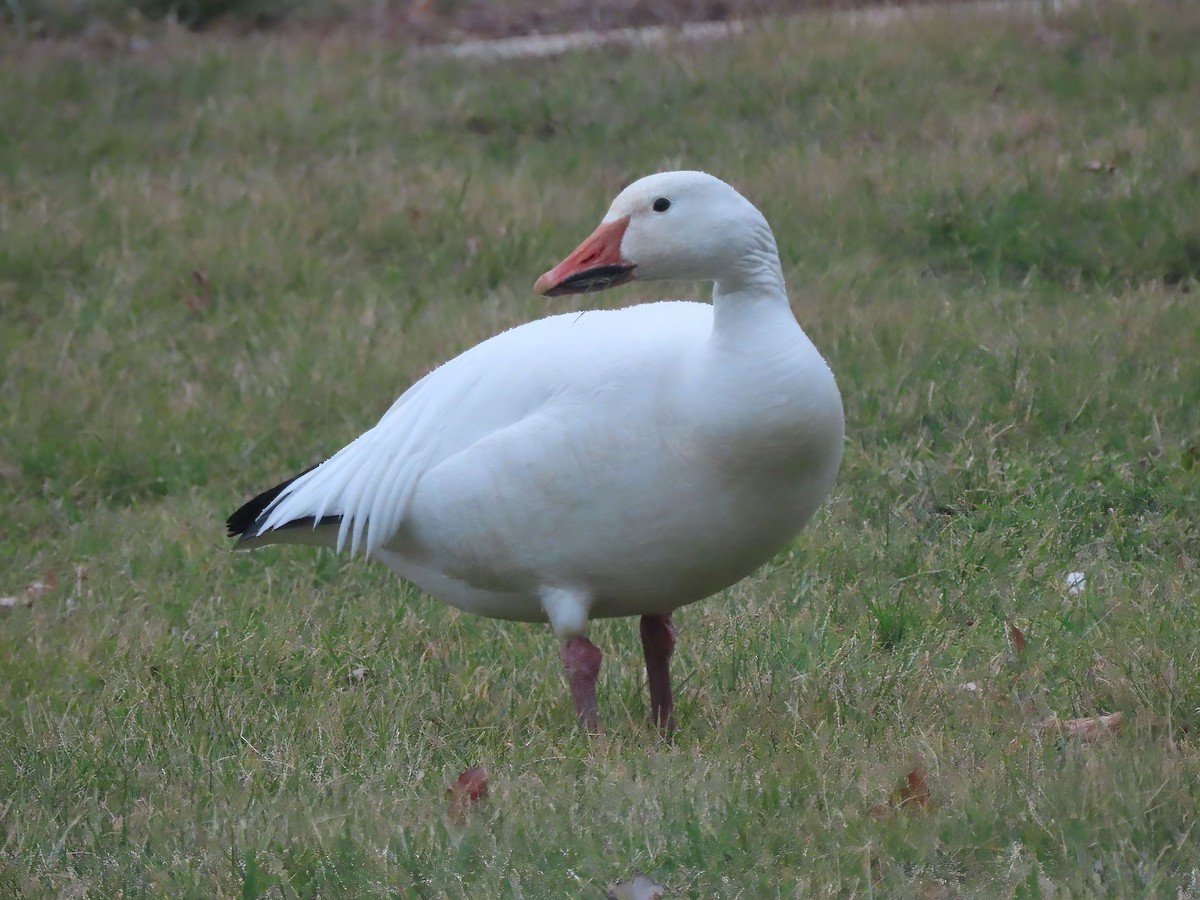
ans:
(470, 788)
(639, 887)
(203, 297)
(1018, 639)
(915, 790)
(1096, 728)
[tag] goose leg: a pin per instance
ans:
(581, 660)
(658, 643)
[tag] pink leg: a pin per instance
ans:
(581, 660)
(658, 643)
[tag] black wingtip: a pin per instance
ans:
(241, 523)
(245, 518)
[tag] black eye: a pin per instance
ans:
(662, 204)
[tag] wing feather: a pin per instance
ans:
(366, 488)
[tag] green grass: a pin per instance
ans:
(1017, 338)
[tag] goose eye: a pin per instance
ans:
(662, 204)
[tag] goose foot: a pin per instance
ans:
(658, 643)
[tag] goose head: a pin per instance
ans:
(673, 225)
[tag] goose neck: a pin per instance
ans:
(751, 299)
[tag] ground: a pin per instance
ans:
(401, 21)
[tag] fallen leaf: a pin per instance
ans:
(639, 887)
(1018, 639)
(470, 788)
(357, 674)
(202, 298)
(970, 686)
(1094, 728)
(915, 790)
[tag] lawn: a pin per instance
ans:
(222, 257)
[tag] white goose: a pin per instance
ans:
(614, 463)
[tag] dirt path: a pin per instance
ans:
(535, 45)
(459, 21)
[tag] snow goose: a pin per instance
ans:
(611, 463)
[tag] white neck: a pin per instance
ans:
(750, 300)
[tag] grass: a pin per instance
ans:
(221, 258)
